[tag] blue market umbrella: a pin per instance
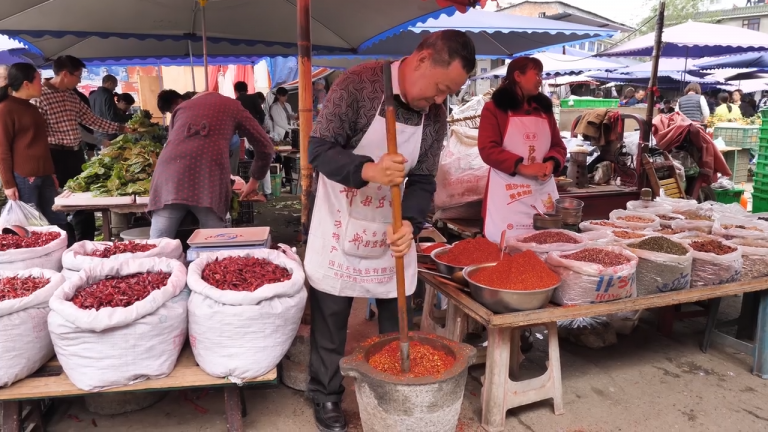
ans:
(758, 60)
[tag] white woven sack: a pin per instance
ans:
(114, 347)
(653, 220)
(45, 257)
(78, 256)
(244, 335)
(25, 343)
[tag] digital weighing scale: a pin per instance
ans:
(205, 241)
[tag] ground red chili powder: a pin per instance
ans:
(17, 287)
(521, 272)
(425, 360)
(478, 250)
(431, 248)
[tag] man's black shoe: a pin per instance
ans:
(329, 417)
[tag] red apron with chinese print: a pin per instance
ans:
(509, 198)
(347, 253)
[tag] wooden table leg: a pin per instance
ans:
(760, 365)
(515, 355)
(666, 320)
(233, 408)
(11, 416)
(494, 394)
(106, 225)
(554, 367)
(427, 325)
(455, 323)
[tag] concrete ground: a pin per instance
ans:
(646, 382)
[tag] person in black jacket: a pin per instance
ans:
(251, 102)
(102, 102)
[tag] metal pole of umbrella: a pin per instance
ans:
(205, 43)
(192, 65)
(646, 138)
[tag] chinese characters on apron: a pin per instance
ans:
(347, 253)
(509, 198)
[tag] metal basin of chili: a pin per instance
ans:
(243, 273)
(521, 272)
(118, 248)
(478, 250)
(431, 248)
(120, 291)
(36, 239)
(15, 287)
(603, 257)
(425, 360)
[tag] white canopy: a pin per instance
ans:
(559, 64)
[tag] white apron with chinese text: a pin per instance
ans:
(509, 198)
(347, 253)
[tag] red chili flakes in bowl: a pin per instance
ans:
(521, 272)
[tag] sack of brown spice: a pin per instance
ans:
(87, 253)
(700, 219)
(594, 275)
(635, 220)
(664, 264)
(731, 227)
(715, 261)
(546, 241)
(601, 225)
(25, 343)
(665, 220)
(43, 250)
(754, 254)
(106, 347)
(238, 331)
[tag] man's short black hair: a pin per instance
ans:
(447, 46)
(260, 96)
(167, 99)
(109, 79)
(126, 98)
(67, 63)
(281, 91)
(241, 87)
(188, 95)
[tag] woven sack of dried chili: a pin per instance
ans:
(79, 256)
(587, 283)
(712, 269)
(45, 257)
(25, 343)
(241, 334)
(117, 346)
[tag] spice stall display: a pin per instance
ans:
(114, 324)
(594, 275)
(546, 241)
(243, 311)
(43, 249)
(754, 254)
(731, 227)
(663, 265)
(715, 262)
(85, 254)
(25, 343)
(635, 220)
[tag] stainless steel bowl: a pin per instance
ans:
(424, 258)
(452, 271)
(506, 301)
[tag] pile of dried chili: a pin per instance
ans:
(36, 239)
(18, 287)
(521, 272)
(118, 248)
(425, 360)
(478, 250)
(121, 291)
(431, 248)
(243, 273)
(712, 246)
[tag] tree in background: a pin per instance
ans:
(676, 12)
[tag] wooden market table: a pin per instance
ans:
(106, 221)
(50, 381)
(500, 393)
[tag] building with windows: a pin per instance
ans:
(753, 15)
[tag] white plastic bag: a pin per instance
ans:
(730, 226)
(677, 204)
(617, 215)
(114, 347)
(587, 283)
(516, 244)
(78, 256)
(659, 272)
(710, 269)
(754, 254)
(243, 335)
(462, 175)
(22, 214)
(703, 226)
(44, 257)
(25, 343)
(651, 207)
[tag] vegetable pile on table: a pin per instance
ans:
(18, 286)
(117, 248)
(35, 240)
(243, 273)
(120, 291)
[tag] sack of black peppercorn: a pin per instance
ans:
(664, 264)
(25, 343)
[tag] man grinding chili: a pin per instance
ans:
(351, 246)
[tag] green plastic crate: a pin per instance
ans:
(759, 202)
(744, 137)
(728, 196)
(764, 113)
(761, 188)
(762, 165)
(761, 176)
(738, 162)
(277, 183)
(589, 103)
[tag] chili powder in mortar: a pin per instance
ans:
(478, 250)
(425, 360)
(240, 273)
(18, 287)
(521, 272)
(36, 239)
(120, 291)
(431, 248)
(118, 248)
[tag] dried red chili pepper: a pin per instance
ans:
(118, 248)
(18, 287)
(119, 291)
(243, 273)
(36, 239)
(425, 360)
(521, 272)
(468, 252)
